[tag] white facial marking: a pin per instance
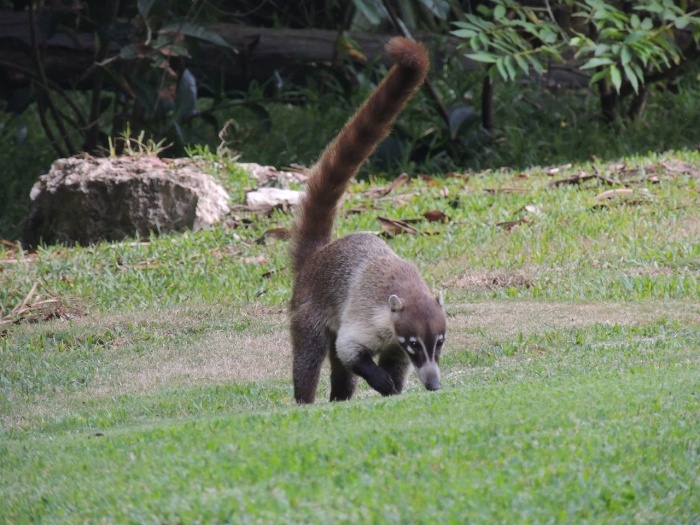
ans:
(409, 349)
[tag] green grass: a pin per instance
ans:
(613, 444)
(570, 375)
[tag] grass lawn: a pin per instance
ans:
(571, 375)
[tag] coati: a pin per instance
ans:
(354, 299)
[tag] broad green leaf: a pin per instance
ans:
(536, 64)
(460, 118)
(595, 62)
(510, 67)
(599, 76)
(484, 40)
(439, 8)
(548, 35)
(502, 68)
(522, 63)
(615, 77)
(499, 12)
(601, 49)
(374, 12)
(625, 55)
(632, 77)
(196, 31)
(638, 71)
(635, 36)
(186, 97)
(682, 22)
(647, 24)
(483, 57)
(463, 33)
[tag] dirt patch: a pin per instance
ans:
(480, 281)
(253, 344)
(471, 325)
(263, 352)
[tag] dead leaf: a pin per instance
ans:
(383, 191)
(609, 194)
(399, 200)
(679, 166)
(394, 227)
(270, 273)
(580, 177)
(509, 225)
(430, 180)
(360, 209)
(281, 234)
(553, 170)
(436, 216)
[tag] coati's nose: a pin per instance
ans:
(433, 385)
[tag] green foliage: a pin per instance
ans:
(144, 84)
(629, 46)
(625, 48)
(514, 41)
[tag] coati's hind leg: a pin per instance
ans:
(395, 362)
(310, 346)
(343, 380)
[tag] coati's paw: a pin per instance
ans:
(384, 384)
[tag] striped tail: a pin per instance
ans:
(357, 140)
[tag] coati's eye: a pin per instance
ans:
(413, 346)
(439, 344)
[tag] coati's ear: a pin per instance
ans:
(395, 303)
(441, 299)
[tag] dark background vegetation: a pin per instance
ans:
(513, 83)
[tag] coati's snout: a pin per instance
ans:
(429, 375)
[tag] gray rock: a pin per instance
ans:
(87, 200)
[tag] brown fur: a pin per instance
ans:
(340, 302)
(357, 140)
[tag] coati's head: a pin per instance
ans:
(420, 327)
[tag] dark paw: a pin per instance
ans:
(384, 384)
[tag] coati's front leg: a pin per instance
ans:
(397, 364)
(376, 377)
(358, 359)
(356, 355)
(309, 346)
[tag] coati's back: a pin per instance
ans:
(350, 296)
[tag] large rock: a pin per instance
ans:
(87, 200)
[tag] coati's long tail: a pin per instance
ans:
(357, 140)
